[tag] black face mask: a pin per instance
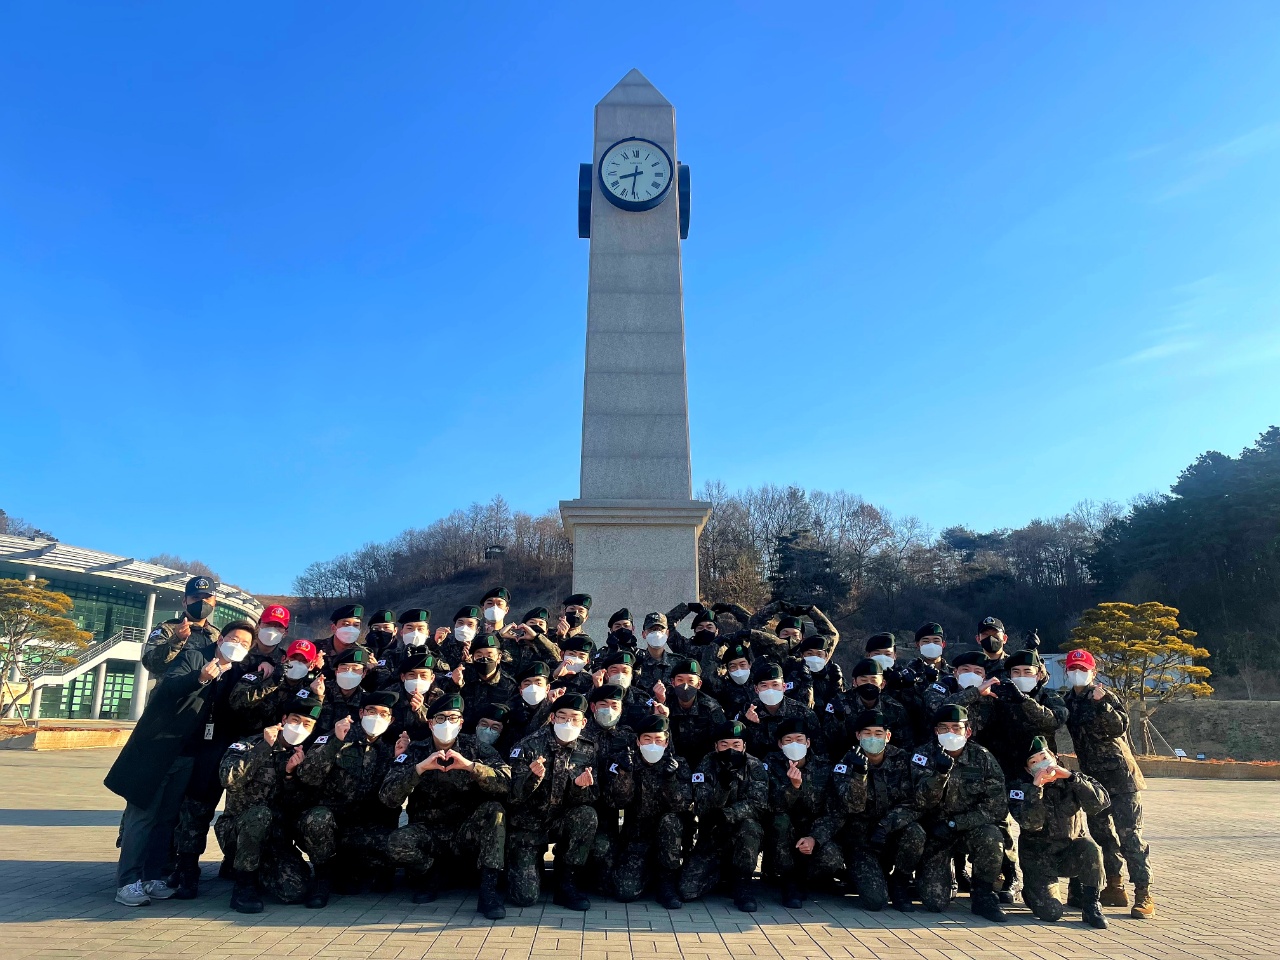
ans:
(625, 638)
(685, 692)
(992, 644)
(573, 618)
(732, 759)
(485, 667)
(869, 692)
(705, 636)
(199, 609)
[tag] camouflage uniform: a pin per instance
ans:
(693, 727)
(261, 700)
(909, 683)
(769, 645)
(338, 703)
(478, 692)
(453, 814)
(262, 804)
(969, 792)
(1052, 842)
(163, 644)
(762, 737)
(518, 654)
(616, 755)
(895, 715)
(732, 696)
(732, 804)
(1006, 722)
(814, 690)
(552, 809)
(1098, 731)
(657, 800)
(795, 813)
(879, 825)
(525, 720)
(649, 670)
(376, 673)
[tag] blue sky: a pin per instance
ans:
(267, 293)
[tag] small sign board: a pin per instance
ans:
(1200, 756)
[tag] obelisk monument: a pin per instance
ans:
(635, 526)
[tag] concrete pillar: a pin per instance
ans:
(99, 684)
(140, 680)
(35, 703)
(151, 613)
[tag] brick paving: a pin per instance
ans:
(1216, 860)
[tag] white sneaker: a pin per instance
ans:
(133, 895)
(158, 889)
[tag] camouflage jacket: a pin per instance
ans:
(1099, 732)
(1006, 723)
(261, 700)
(163, 644)
(804, 804)
(693, 727)
(346, 775)
(649, 791)
(762, 737)
(338, 703)
(479, 692)
(253, 772)
(730, 794)
(520, 653)
(895, 715)
(883, 796)
(970, 793)
(616, 756)
(1056, 811)
(768, 644)
(445, 797)
(537, 801)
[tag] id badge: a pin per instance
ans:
(208, 731)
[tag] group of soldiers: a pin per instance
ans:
(657, 761)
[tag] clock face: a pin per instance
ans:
(636, 174)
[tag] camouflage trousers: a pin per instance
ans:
(317, 832)
(478, 841)
(736, 845)
(869, 870)
(1044, 861)
(782, 859)
(983, 845)
(1118, 831)
(606, 852)
(646, 847)
(258, 843)
(191, 835)
(573, 832)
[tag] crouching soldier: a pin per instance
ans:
(455, 785)
(347, 830)
(553, 792)
(657, 798)
(731, 799)
(962, 794)
(873, 791)
(1050, 804)
(264, 799)
(797, 802)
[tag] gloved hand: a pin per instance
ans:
(623, 761)
(1009, 693)
(928, 674)
(857, 764)
(942, 831)
(696, 607)
(944, 764)
(1031, 641)
(668, 764)
(719, 608)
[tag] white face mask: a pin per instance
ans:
(567, 732)
(374, 725)
(951, 741)
(1078, 678)
(464, 634)
(795, 751)
(295, 670)
(1025, 684)
(446, 731)
(652, 752)
(269, 636)
(1043, 765)
(931, 651)
(533, 694)
(232, 651)
(655, 639)
(622, 680)
(815, 664)
(740, 676)
(347, 634)
(574, 665)
(488, 735)
(415, 638)
(294, 733)
(608, 717)
(883, 659)
(348, 680)
(770, 697)
(416, 685)
(967, 680)
(494, 614)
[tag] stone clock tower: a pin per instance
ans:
(635, 526)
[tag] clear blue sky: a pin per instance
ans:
(279, 279)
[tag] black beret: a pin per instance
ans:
(651, 724)
(729, 730)
(418, 661)
(791, 725)
(570, 701)
(247, 625)
(578, 600)
(472, 612)
(814, 642)
(1023, 658)
(706, 616)
(304, 704)
(990, 623)
(487, 642)
(973, 658)
(1038, 745)
(382, 616)
(950, 713)
(686, 666)
(347, 612)
(765, 670)
(450, 701)
(352, 655)
(880, 641)
(790, 623)
(537, 613)
(867, 668)
(579, 643)
(606, 691)
(380, 698)
(736, 652)
(498, 712)
(623, 614)
(417, 615)
(930, 629)
(535, 669)
(497, 593)
(618, 658)
(869, 718)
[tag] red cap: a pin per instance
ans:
(304, 647)
(1081, 658)
(275, 614)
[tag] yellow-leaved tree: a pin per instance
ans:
(34, 629)
(1144, 655)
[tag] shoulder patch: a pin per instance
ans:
(156, 634)
(515, 753)
(402, 758)
(699, 778)
(939, 687)
(790, 685)
(650, 702)
(613, 768)
(251, 677)
(763, 764)
(304, 693)
(1017, 795)
(320, 740)
(920, 759)
(239, 745)
(841, 768)
(382, 663)
(831, 708)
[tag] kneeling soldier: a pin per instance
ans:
(798, 831)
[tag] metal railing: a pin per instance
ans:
(134, 634)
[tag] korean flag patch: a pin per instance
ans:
(303, 694)
(831, 708)
(239, 746)
(613, 768)
(402, 758)
(939, 687)
(320, 740)
(382, 663)
(921, 759)
(699, 778)
(763, 764)
(1017, 795)
(250, 677)
(515, 753)
(790, 685)
(841, 768)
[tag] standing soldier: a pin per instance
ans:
(654, 663)
(344, 634)
(618, 668)
(731, 799)
(771, 707)
(455, 645)
(1099, 724)
(494, 606)
(527, 641)
(414, 638)
(733, 687)
(1050, 804)
(868, 693)
(171, 637)
(349, 670)
(530, 710)
(992, 638)
(455, 786)
(418, 680)
(693, 716)
(382, 632)
(615, 757)
(260, 700)
(484, 682)
(918, 675)
(816, 681)
(573, 618)
(797, 802)
(553, 792)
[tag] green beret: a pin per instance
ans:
(352, 655)
(304, 704)
(930, 629)
(382, 616)
(418, 661)
(570, 701)
(578, 600)
(869, 718)
(450, 701)
(651, 724)
(950, 713)
(537, 613)
(686, 666)
(606, 691)
(867, 668)
(736, 652)
(790, 623)
(791, 725)
(580, 643)
(973, 658)
(498, 712)
(347, 612)
(1038, 745)
(472, 612)
(880, 641)
(497, 593)
(729, 730)
(623, 658)
(535, 669)
(488, 642)
(417, 615)
(623, 614)
(1023, 658)
(706, 616)
(814, 642)
(380, 698)
(765, 670)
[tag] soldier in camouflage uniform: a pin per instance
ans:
(1050, 804)
(529, 710)
(420, 690)
(692, 715)
(553, 795)
(491, 730)
(527, 641)
(656, 657)
(785, 639)
(657, 799)
(344, 635)
(704, 644)
(413, 636)
(260, 700)
(868, 693)
(910, 681)
(615, 756)
(484, 680)
(873, 794)
(455, 786)
(731, 799)
(264, 799)
(770, 708)
(816, 681)
(992, 639)
(794, 838)
(169, 638)
(963, 799)
(618, 668)
(1099, 725)
(381, 635)
(348, 827)
(572, 620)
(349, 671)
(731, 686)
(572, 672)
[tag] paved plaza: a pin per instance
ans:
(1216, 857)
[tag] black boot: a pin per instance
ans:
(318, 895)
(666, 895)
(226, 869)
(188, 877)
(244, 895)
(984, 903)
(1091, 909)
(1008, 890)
(384, 879)
(743, 898)
(567, 893)
(791, 898)
(490, 901)
(426, 887)
(1073, 894)
(900, 895)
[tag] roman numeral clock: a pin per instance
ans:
(634, 175)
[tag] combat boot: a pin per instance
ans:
(384, 879)
(490, 901)
(244, 895)
(226, 869)
(984, 903)
(900, 895)
(1090, 909)
(1073, 893)
(426, 887)
(743, 898)
(318, 894)
(567, 893)
(1144, 907)
(666, 894)
(187, 876)
(791, 898)
(1113, 894)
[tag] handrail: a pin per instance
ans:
(135, 634)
